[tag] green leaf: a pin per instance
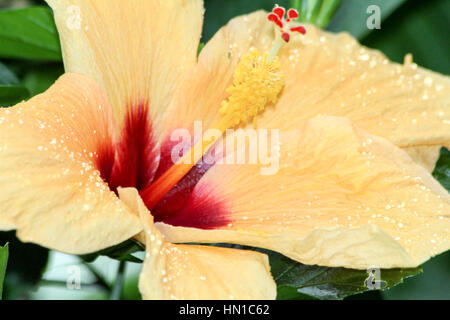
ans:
(352, 16)
(299, 281)
(121, 252)
(11, 91)
(29, 33)
(201, 45)
(420, 28)
(3, 263)
(442, 170)
(39, 78)
(131, 288)
(26, 265)
(429, 286)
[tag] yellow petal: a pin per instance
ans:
(333, 75)
(197, 272)
(340, 197)
(329, 74)
(50, 189)
(138, 50)
(199, 97)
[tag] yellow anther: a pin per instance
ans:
(257, 82)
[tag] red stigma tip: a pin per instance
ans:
(279, 11)
(293, 14)
(278, 16)
(286, 36)
(299, 29)
(274, 18)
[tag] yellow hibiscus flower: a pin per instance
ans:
(87, 164)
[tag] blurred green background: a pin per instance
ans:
(408, 26)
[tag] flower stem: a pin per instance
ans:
(318, 12)
(313, 9)
(278, 42)
(300, 6)
(116, 291)
(327, 12)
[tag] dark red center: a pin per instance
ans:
(136, 161)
